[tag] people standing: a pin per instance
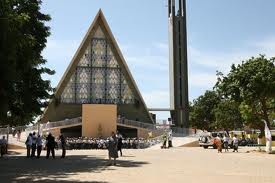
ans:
(235, 143)
(218, 143)
(29, 144)
(18, 133)
(164, 137)
(13, 132)
(225, 142)
(50, 145)
(119, 143)
(112, 148)
(170, 139)
(39, 145)
(63, 145)
(34, 139)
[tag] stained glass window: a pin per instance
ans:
(98, 77)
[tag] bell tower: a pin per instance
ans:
(179, 102)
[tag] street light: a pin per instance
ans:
(9, 114)
(8, 128)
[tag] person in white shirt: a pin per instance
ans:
(235, 143)
(39, 145)
(225, 142)
(29, 145)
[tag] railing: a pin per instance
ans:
(66, 122)
(50, 125)
(176, 131)
(139, 124)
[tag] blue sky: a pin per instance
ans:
(220, 32)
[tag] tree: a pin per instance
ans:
(22, 38)
(252, 84)
(228, 115)
(202, 114)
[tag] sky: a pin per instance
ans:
(220, 33)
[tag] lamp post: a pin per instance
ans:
(8, 128)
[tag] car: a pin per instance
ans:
(208, 139)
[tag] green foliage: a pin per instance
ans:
(228, 115)
(202, 111)
(251, 119)
(23, 36)
(251, 83)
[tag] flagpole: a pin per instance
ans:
(268, 138)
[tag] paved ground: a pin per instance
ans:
(142, 166)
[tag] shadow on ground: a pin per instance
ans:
(17, 169)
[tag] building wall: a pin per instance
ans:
(98, 120)
(60, 111)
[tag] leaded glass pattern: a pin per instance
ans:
(98, 53)
(86, 58)
(126, 93)
(98, 77)
(68, 95)
(112, 62)
(83, 75)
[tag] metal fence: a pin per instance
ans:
(176, 131)
(66, 122)
(137, 124)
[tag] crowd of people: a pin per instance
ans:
(100, 143)
(223, 142)
(34, 144)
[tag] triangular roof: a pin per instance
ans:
(98, 20)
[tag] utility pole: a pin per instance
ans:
(178, 63)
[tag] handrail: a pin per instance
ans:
(66, 122)
(176, 131)
(139, 124)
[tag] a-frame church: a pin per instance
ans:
(97, 74)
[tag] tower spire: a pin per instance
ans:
(178, 64)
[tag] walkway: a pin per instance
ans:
(177, 165)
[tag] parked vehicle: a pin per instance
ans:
(208, 139)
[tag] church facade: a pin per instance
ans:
(97, 74)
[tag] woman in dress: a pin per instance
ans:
(218, 143)
(112, 148)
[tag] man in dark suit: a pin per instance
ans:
(50, 145)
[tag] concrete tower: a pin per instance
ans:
(178, 63)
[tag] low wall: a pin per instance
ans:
(144, 133)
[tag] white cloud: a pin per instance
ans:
(202, 79)
(60, 49)
(157, 99)
(223, 60)
(59, 54)
(266, 46)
